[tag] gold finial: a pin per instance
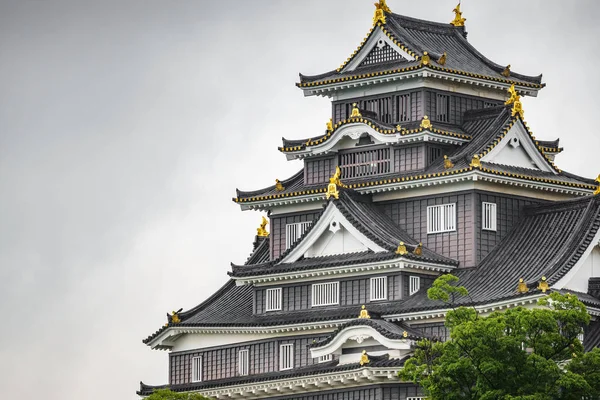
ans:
(522, 288)
(173, 318)
(330, 125)
(398, 127)
(334, 181)
(475, 162)
(418, 250)
(364, 314)
(404, 334)
(458, 19)
(506, 72)
(401, 249)
(380, 9)
(426, 122)
(447, 162)
(597, 192)
(278, 186)
(442, 60)
(261, 231)
(355, 111)
(515, 100)
(543, 286)
(425, 59)
(364, 358)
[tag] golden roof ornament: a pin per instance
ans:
(475, 162)
(330, 125)
(334, 181)
(364, 314)
(426, 122)
(522, 288)
(261, 231)
(425, 59)
(418, 250)
(364, 358)
(401, 250)
(458, 18)
(597, 192)
(173, 318)
(405, 334)
(543, 286)
(355, 111)
(515, 100)
(506, 72)
(447, 162)
(399, 128)
(380, 9)
(442, 59)
(278, 186)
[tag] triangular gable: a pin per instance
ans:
(378, 48)
(587, 267)
(518, 149)
(332, 234)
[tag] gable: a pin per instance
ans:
(379, 48)
(588, 267)
(332, 234)
(517, 149)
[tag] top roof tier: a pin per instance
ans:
(400, 47)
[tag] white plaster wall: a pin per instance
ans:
(590, 268)
(340, 242)
(516, 156)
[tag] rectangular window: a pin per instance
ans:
(414, 285)
(441, 218)
(243, 362)
(325, 294)
(356, 164)
(403, 108)
(196, 369)
(286, 356)
(326, 358)
(273, 299)
(489, 216)
(442, 107)
(293, 232)
(379, 288)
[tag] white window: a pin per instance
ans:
(325, 294)
(489, 216)
(294, 231)
(441, 218)
(243, 362)
(273, 299)
(414, 284)
(326, 358)
(379, 288)
(196, 369)
(286, 356)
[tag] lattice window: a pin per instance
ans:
(243, 362)
(442, 107)
(379, 288)
(433, 154)
(381, 53)
(403, 110)
(414, 284)
(293, 232)
(365, 163)
(197, 369)
(286, 356)
(441, 218)
(489, 216)
(325, 358)
(325, 294)
(273, 299)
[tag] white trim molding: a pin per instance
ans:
(369, 45)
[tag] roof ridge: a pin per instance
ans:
(271, 187)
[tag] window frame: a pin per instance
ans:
(301, 228)
(290, 357)
(489, 215)
(372, 286)
(269, 299)
(324, 284)
(244, 362)
(444, 223)
(411, 285)
(196, 369)
(325, 358)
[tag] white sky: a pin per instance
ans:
(126, 125)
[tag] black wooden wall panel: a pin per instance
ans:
(278, 224)
(437, 330)
(409, 158)
(412, 216)
(319, 170)
(397, 391)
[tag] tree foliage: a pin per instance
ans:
(518, 354)
(166, 394)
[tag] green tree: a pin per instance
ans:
(519, 354)
(166, 394)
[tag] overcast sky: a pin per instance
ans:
(126, 125)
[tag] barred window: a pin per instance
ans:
(414, 285)
(325, 358)
(356, 164)
(197, 369)
(243, 362)
(379, 288)
(442, 108)
(489, 216)
(293, 232)
(286, 356)
(325, 294)
(273, 299)
(441, 218)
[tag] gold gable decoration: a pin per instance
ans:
(278, 186)
(330, 125)
(334, 182)
(515, 100)
(355, 111)
(475, 162)
(458, 18)
(364, 358)
(425, 59)
(442, 59)
(364, 314)
(261, 231)
(404, 334)
(506, 72)
(543, 286)
(522, 287)
(447, 162)
(418, 250)
(426, 123)
(173, 318)
(597, 191)
(381, 8)
(401, 250)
